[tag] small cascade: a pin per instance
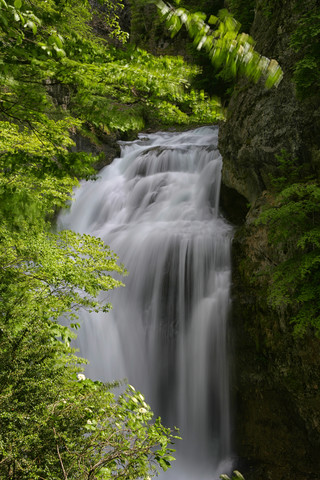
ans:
(157, 208)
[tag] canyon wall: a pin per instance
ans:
(276, 376)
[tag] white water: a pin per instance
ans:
(157, 207)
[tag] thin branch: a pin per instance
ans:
(60, 459)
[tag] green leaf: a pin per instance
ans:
(238, 475)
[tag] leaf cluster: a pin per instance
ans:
(51, 425)
(109, 88)
(288, 171)
(219, 36)
(293, 222)
(236, 475)
(75, 428)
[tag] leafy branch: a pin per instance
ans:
(220, 38)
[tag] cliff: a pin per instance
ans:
(276, 375)
(262, 122)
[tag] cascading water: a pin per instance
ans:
(157, 207)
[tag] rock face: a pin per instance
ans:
(277, 377)
(263, 122)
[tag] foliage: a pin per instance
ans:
(49, 50)
(289, 171)
(236, 475)
(268, 7)
(293, 221)
(146, 31)
(223, 42)
(55, 426)
(140, 87)
(306, 41)
(52, 426)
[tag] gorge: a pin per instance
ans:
(73, 83)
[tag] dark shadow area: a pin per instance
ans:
(233, 205)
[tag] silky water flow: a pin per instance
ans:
(157, 208)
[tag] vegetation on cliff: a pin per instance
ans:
(306, 43)
(293, 221)
(304, 39)
(270, 145)
(276, 137)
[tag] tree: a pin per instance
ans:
(53, 426)
(50, 423)
(49, 46)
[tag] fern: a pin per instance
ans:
(306, 42)
(294, 226)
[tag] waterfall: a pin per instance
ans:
(157, 208)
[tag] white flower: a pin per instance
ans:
(81, 376)
(143, 410)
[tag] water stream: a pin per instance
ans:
(157, 207)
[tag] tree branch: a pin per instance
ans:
(65, 476)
